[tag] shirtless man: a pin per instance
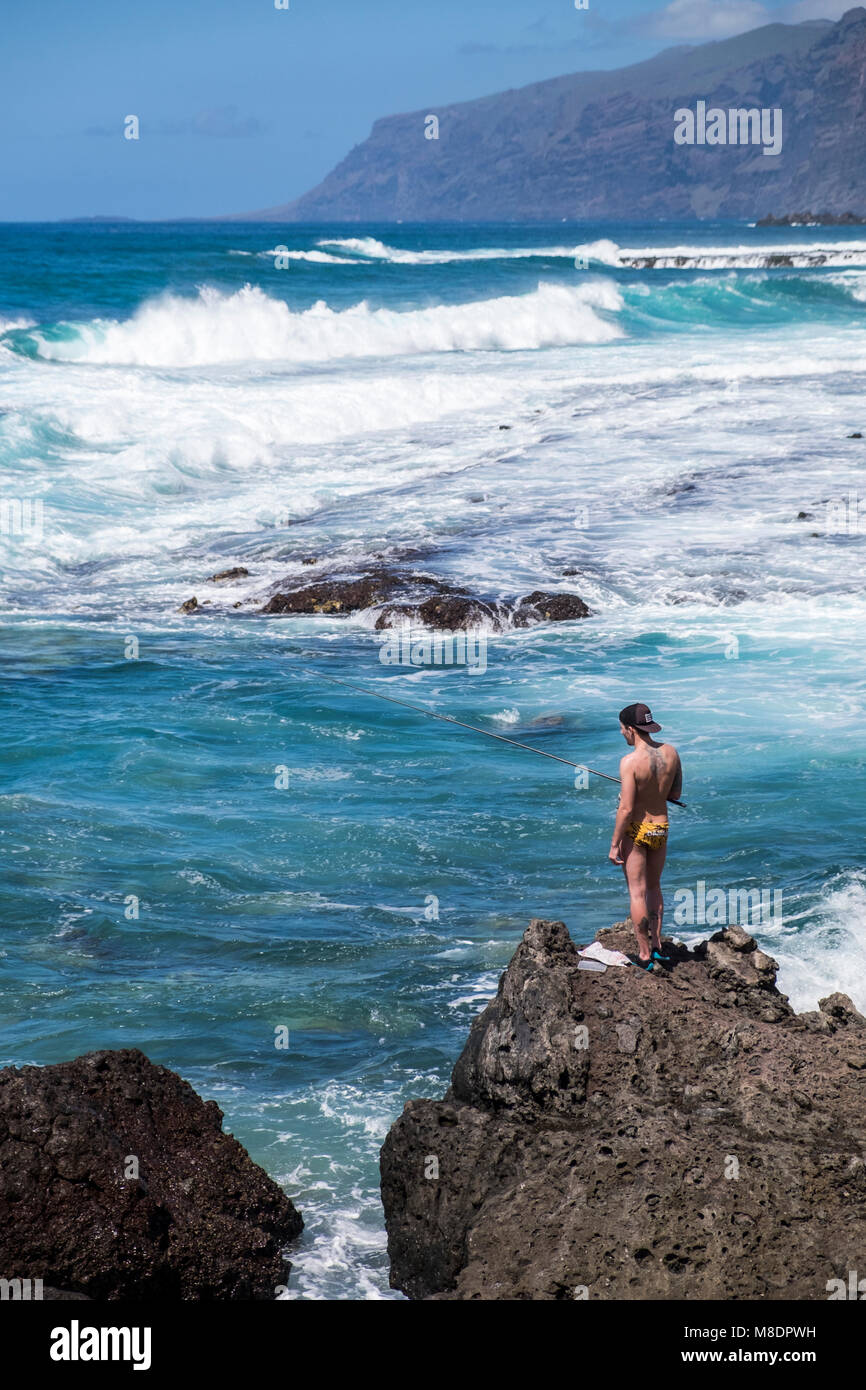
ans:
(650, 775)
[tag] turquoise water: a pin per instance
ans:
(177, 404)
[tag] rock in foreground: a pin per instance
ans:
(630, 1136)
(199, 1221)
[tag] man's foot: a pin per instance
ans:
(641, 963)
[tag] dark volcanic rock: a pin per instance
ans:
(539, 607)
(405, 596)
(335, 595)
(402, 595)
(200, 1221)
(675, 1135)
(225, 575)
(454, 612)
(444, 611)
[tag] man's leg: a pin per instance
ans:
(634, 864)
(655, 862)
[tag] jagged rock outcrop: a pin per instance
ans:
(116, 1181)
(334, 595)
(681, 1134)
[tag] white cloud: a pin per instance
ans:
(719, 19)
(709, 19)
(813, 9)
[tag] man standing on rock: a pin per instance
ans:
(650, 775)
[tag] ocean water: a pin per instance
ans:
(174, 402)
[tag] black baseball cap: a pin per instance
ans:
(639, 717)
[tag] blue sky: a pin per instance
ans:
(244, 106)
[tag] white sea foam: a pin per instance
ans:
(507, 716)
(854, 281)
(796, 255)
(152, 465)
(249, 325)
(318, 257)
(608, 253)
(827, 953)
(371, 249)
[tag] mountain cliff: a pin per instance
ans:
(599, 145)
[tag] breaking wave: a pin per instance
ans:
(317, 257)
(249, 325)
(827, 952)
(373, 250)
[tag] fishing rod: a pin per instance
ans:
(447, 719)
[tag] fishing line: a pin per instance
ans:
(447, 719)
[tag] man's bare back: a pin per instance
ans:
(657, 775)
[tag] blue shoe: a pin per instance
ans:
(657, 955)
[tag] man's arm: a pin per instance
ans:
(625, 811)
(676, 790)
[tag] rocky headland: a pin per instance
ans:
(622, 1135)
(599, 144)
(117, 1182)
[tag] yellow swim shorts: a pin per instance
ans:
(652, 834)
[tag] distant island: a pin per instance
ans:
(600, 145)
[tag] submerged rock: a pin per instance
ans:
(541, 607)
(680, 1134)
(446, 610)
(225, 576)
(335, 595)
(425, 601)
(116, 1181)
(398, 595)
